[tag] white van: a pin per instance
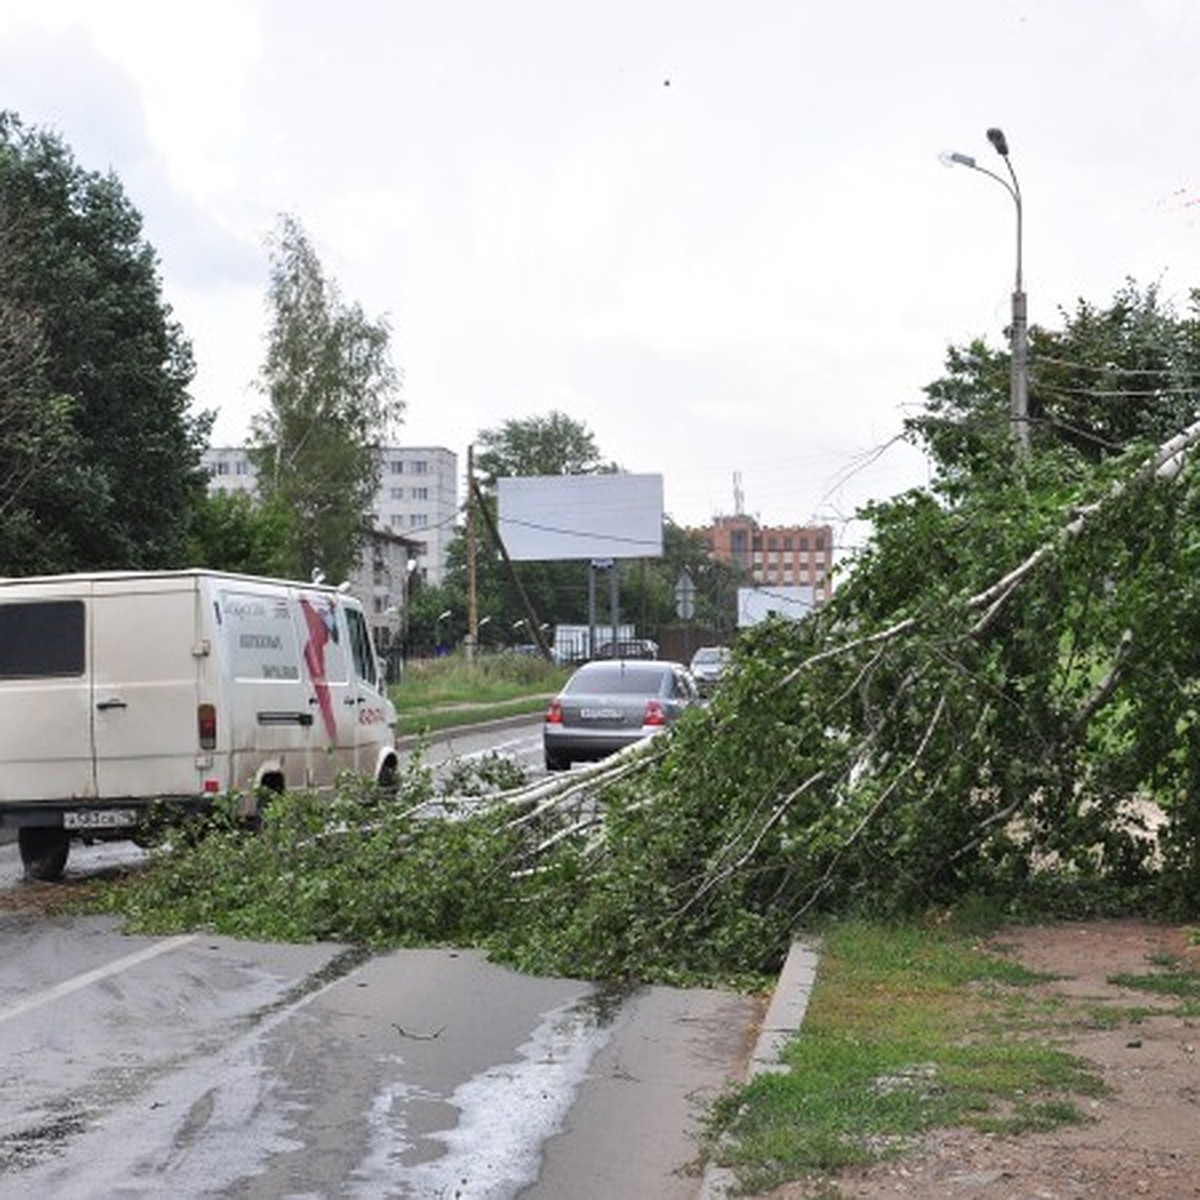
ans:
(121, 691)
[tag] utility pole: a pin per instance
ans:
(472, 595)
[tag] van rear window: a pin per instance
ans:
(42, 638)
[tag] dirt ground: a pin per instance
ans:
(1142, 1140)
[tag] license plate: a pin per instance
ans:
(101, 818)
(600, 714)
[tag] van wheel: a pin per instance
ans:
(44, 852)
(389, 778)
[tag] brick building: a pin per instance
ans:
(775, 555)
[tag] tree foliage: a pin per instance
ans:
(332, 398)
(101, 455)
(554, 444)
(238, 532)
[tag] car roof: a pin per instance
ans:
(649, 669)
(645, 666)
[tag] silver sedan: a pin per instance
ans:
(607, 705)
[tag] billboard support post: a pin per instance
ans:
(614, 606)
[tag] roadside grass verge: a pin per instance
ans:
(910, 1028)
(443, 693)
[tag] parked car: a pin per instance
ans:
(708, 665)
(606, 706)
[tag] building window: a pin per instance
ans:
(418, 521)
(221, 468)
(396, 466)
(419, 493)
(420, 467)
(397, 493)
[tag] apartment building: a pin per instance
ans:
(777, 555)
(417, 497)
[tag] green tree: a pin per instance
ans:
(555, 444)
(1110, 378)
(648, 585)
(103, 384)
(236, 532)
(332, 400)
(37, 439)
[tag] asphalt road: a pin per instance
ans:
(200, 1066)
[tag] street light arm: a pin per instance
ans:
(952, 158)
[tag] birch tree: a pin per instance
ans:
(332, 398)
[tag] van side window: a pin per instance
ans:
(360, 644)
(42, 638)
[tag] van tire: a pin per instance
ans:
(389, 777)
(44, 852)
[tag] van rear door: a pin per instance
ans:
(45, 696)
(146, 665)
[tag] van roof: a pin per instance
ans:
(80, 577)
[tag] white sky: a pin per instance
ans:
(715, 231)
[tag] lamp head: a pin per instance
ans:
(997, 138)
(952, 158)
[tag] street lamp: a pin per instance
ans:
(437, 629)
(1018, 340)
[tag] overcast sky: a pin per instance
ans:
(716, 232)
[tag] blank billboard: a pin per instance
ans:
(544, 518)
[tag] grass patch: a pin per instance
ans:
(1174, 981)
(444, 693)
(910, 1028)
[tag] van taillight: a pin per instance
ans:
(654, 714)
(554, 713)
(206, 716)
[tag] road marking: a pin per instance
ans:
(89, 977)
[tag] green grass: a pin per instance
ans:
(1173, 977)
(446, 692)
(909, 1029)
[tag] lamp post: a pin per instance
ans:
(1018, 334)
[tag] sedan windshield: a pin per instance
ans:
(615, 680)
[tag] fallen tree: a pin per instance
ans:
(1004, 684)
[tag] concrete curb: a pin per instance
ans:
(785, 1014)
(410, 741)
